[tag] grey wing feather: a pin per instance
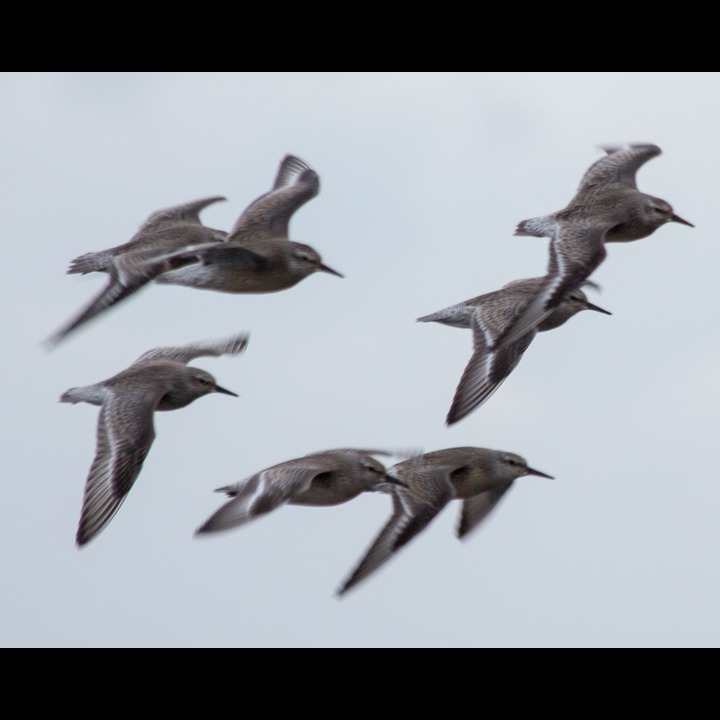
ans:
(185, 353)
(476, 509)
(186, 212)
(413, 511)
(290, 171)
(355, 452)
(269, 215)
(125, 434)
(232, 345)
(620, 165)
(221, 253)
(110, 295)
(523, 287)
(261, 493)
(407, 520)
(487, 368)
(141, 263)
(575, 253)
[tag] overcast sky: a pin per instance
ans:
(423, 179)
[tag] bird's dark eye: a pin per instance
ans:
(203, 381)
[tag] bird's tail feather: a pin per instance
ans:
(536, 227)
(89, 262)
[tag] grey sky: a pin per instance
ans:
(423, 179)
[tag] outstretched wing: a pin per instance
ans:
(186, 212)
(575, 252)
(185, 353)
(269, 215)
(477, 508)
(116, 290)
(487, 368)
(130, 273)
(124, 435)
(142, 260)
(414, 508)
(354, 452)
(620, 165)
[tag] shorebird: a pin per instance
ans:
(257, 256)
(479, 477)
(160, 379)
(488, 316)
(327, 477)
(608, 207)
(134, 264)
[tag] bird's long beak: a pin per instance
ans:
(530, 471)
(590, 306)
(325, 268)
(678, 219)
(225, 392)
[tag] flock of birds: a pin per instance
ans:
(174, 247)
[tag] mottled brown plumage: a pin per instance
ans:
(257, 256)
(479, 477)
(134, 264)
(488, 316)
(328, 477)
(608, 207)
(158, 380)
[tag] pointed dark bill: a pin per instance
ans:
(325, 268)
(590, 306)
(225, 392)
(530, 471)
(678, 219)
